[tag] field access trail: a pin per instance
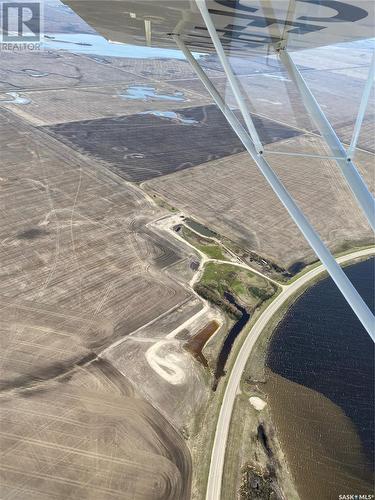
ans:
(234, 376)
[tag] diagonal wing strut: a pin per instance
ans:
(250, 142)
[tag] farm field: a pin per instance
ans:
(88, 436)
(130, 145)
(269, 92)
(366, 138)
(158, 69)
(62, 70)
(108, 351)
(46, 70)
(230, 196)
(95, 102)
(79, 243)
(77, 260)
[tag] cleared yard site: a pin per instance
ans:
(76, 265)
(230, 196)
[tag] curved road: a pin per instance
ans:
(223, 423)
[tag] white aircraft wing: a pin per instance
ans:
(241, 24)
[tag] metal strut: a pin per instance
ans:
(234, 85)
(362, 194)
(339, 277)
(362, 108)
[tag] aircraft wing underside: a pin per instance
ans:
(241, 25)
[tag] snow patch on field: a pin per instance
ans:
(257, 403)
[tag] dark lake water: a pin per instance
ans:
(321, 345)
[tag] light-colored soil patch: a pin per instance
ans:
(257, 402)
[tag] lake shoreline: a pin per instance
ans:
(331, 424)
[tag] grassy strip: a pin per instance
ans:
(213, 251)
(250, 288)
(207, 246)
